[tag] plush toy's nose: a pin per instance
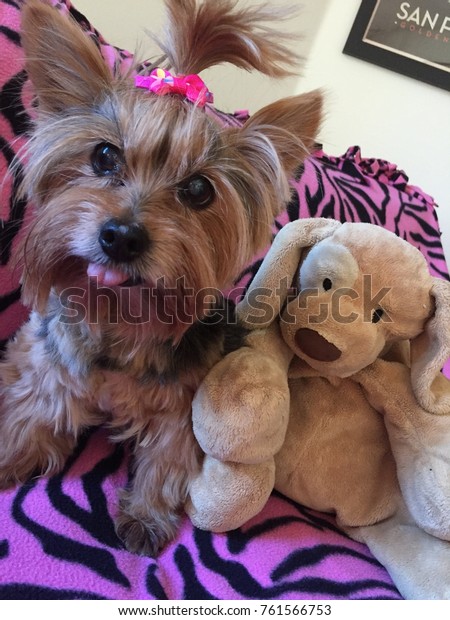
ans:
(316, 346)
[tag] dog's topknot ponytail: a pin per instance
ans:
(201, 34)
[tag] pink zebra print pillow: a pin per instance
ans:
(351, 188)
(64, 525)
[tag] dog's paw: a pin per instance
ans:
(8, 479)
(144, 535)
(22, 467)
(138, 536)
(16, 474)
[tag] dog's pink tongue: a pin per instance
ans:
(106, 276)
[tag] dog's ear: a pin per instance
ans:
(63, 63)
(269, 289)
(291, 125)
(429, 352)
(271, 147)
(264, 155)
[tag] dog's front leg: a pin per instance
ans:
(164, 466)
(31, 447)
(42, 410)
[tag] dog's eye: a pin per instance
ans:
(327, 284)
(377, 315)
(197, 192)
(106, 160)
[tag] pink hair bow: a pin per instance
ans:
(162, 82)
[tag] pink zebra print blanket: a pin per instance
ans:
(57, 539)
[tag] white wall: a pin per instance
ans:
(388, 115)
(124, 24)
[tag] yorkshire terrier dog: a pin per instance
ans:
(146, 207)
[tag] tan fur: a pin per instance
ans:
(241, 36)
(60, 376)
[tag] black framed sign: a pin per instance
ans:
(412, 38)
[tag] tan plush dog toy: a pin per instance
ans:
(357, 348)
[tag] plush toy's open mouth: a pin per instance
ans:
(316, 346)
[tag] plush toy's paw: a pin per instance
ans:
(226, 495)
(240, 411)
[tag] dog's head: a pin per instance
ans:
(130, 186)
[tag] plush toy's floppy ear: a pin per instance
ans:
(429, 352)
(269, 289)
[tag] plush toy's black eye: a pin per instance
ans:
(377, 315)
(327, 284)
(106, 160)
(197, 192)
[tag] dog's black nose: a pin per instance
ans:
(123, 242)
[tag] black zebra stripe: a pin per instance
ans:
(11, 35)
(29, 592)
(9, 299)
(10, 228)
(97, 521)
(58, 546)
(12, 106)
(153, 585)
(240, 579)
